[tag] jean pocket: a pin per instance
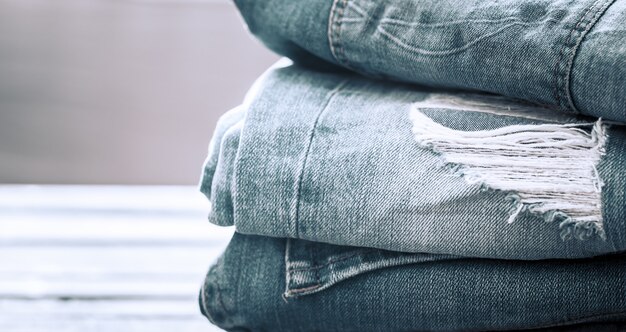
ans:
(312, 266)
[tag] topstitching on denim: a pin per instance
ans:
(568, 51)
(331, 261)
(509, 23)
(307, 276)
(293, 287)
(334, 31)
(296, 202)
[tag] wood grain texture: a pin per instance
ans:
(86, 258)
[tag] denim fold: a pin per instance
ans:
(431, 165)
(335, 158)
(567, 55)
(276, 284)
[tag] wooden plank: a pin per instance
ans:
(117, 272)
(81, 316)
(102, 309)
(103, 289)
(66, 316)
(102, 198)
(104, 258)
(116, 325)
(108, 325)
(101, 215)
(66, 229)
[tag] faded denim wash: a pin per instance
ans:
(362, 204)
(565, 54)
(334, 158)
(274, 284)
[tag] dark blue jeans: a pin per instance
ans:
(272, 284)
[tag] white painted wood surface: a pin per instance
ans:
(104, 258)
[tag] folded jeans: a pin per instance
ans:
(565, 54)
(365, 204)
(274, 284)
(342, 159)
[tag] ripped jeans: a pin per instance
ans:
(346, 160)
(361, 204)
(323, 171)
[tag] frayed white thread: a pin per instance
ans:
(493, 104)
(549, 169)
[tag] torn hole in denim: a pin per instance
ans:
(548, 169)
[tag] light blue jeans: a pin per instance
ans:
(366, 204)
(342, 159)
(565, 54)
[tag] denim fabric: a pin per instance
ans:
(365, 202)
(273, 284)
(567, 54)
(332, 158)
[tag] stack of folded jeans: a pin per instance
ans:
(425, 165)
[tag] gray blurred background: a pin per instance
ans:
(118, 91)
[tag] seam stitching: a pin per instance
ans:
(334, 31)
(340, 49)
(298, 189)
(564, 64)
(287, 273)
(380, 262)
(331, 29)
(557, 67)
(584, 30)
(330, 262)
(305, 289)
